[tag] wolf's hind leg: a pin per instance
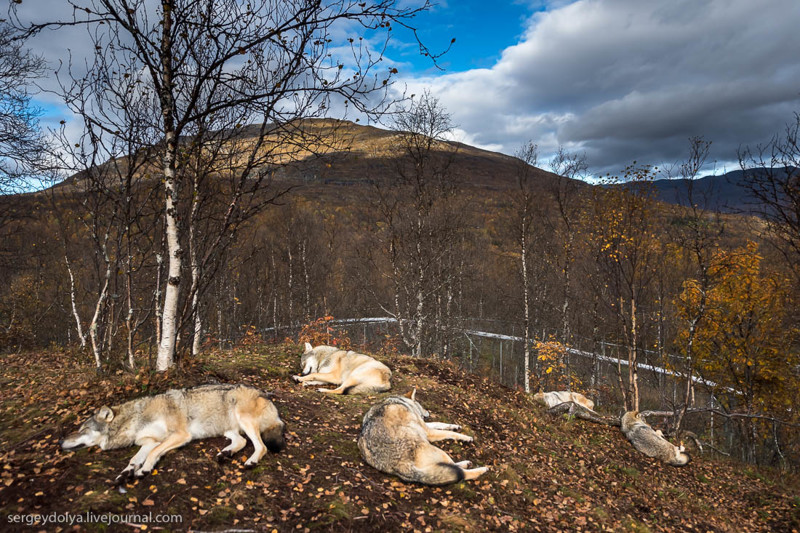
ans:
(442, 434)
(442, 425)
(136, 461)
(475, 473)
(338, 390)
(174, 440)
(237, 443)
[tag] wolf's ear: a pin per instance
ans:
(411, 395)
(309, 347)
(105, 413)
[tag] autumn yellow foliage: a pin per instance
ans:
(744, 341)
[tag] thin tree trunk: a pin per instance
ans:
(633, 370)
(97, 347)
(195, 266)
(129, 315)
(526, 302)
(419, 317)
(291, 283)
(73, 302)
(197, 339)
(304, 260)
(159, 275)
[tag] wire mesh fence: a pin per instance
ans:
(599, 369)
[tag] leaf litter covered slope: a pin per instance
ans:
(547, 473)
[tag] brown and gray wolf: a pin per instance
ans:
(396, 439)
(551, 399)
(650, 442)
(354, 373)
(167, 421)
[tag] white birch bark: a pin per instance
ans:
(73, 302)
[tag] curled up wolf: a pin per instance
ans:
(167, 421)
(651, 442)
(395, 439)
(354, 373)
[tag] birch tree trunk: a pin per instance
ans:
(73, 302)
(97, 347)
(166, 347)
(526, 301)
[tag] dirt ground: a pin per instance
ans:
(546, 473)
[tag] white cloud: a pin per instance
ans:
(631, 79)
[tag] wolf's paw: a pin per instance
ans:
(464, 464)
(124, 476)
(467, 438)
(297, 378)
(139, 474)
(224, 456)
(248, 465)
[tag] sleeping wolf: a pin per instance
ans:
(170, 420)
(650, 442)
(551, 399)
(355, 373)
(396, 439)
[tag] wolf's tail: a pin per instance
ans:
(438, 474)
(274, 438)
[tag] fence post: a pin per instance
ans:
(501, 362)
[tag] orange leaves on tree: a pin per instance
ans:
(321, 331)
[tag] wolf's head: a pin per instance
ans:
(631, 420)
(93, 432)
(309, 360)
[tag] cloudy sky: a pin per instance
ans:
(618, 80)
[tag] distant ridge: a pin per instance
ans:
(726, 193)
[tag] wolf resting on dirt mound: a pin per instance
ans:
(650, 442)
(354, 373)
(167, 421)
(395, 439)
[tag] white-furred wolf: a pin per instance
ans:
(551, 399)
(167, 421)
(650, 442)
(354, 373)
(395, 439)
